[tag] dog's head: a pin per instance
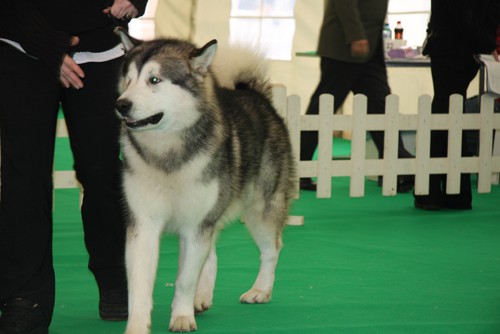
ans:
(161, 83)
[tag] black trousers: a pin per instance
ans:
(339, 78)
(28, 113)
(450, 75)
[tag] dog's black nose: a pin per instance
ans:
(123, 106)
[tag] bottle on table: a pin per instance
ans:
(398, 31)
(387, 33)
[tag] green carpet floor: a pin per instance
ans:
(358, 266)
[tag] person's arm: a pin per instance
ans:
(353, 28)
(350, 18)
(126, 8)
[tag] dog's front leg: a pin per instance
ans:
(194, 247)
(142, 249)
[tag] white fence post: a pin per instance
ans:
(293, 124)
(325, 134)
(422, 145)
(485, 144)
(454, 144)
(358, 146)
(391, 143)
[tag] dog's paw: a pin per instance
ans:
(136, 329)
(254, 296)
(203, 300)
(201, 306)
(182, 323)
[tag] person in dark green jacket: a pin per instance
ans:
(52, 53)
(352, 59)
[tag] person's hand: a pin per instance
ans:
(495, 55)
(122, 9)
(71, 73)
(360, 48)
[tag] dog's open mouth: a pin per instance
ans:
(134, 124)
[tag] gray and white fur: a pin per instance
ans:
(202, 146)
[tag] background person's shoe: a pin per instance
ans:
(22, 316)
(113, 305)
(432, 202)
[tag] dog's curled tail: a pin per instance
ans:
(239, 67)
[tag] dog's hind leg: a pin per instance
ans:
(194, 249)
(206, 283)
(142, 249)
(266, 228)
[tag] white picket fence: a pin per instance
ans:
(357, 167)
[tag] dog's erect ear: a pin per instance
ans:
(203, 57)
(128, 41)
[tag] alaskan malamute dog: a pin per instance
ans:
(202, 145)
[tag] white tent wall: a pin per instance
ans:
(199, 21)
(204, 20)
(173, 19)
(304, 71)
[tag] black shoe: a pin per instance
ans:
(434, 201)
(113, 305)
(22, 316)
(306, 183)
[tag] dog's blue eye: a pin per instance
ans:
(154, 80)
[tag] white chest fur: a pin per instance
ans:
(171, 200)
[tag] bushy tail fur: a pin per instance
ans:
(238, 66)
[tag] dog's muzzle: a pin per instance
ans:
(135, 124)
(123, 107)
